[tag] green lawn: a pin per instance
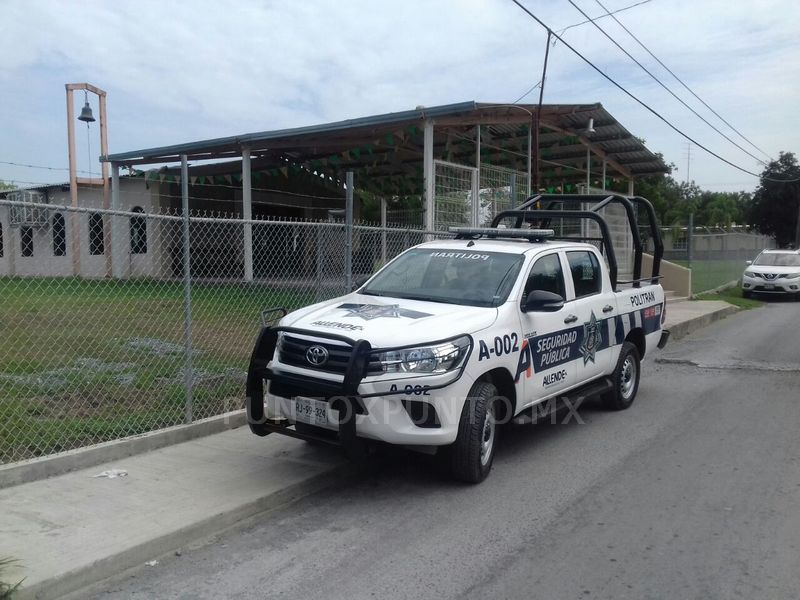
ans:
(83, 362)
(710, 274)
(733, 296)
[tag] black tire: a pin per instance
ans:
(746, 294)
(472, 454)
(625, 379)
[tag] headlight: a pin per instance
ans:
(750, 274)
(438, 358)
(792, 275)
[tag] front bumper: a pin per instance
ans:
(758, 285)
(366, 407)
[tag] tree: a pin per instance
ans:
(6, 186)
(776, 202)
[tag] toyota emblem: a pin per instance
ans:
(317, 355)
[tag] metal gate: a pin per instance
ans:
(465, 196)
(455, 196)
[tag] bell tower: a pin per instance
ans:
(74, 181)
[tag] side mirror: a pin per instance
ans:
(542, 301)
(748, 262)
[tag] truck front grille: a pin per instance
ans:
(293, 351)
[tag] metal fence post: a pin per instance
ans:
(797, 225)
(187, 289)
(318, 253)
(384, 225)
(689, 240)
(348, 243)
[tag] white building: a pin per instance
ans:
(39, 243)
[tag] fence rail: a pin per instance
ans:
(90, 358)
(715, 257)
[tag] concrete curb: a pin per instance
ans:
(75, 584)
(81, 458)
(719, 288)
(681, 330)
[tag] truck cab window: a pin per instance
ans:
(546, 274)
(586, 275)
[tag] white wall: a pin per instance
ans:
(44, 263)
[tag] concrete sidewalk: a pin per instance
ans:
(686, 316)
(74, 530)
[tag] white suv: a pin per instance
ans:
(773, 272)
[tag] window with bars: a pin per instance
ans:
(59, 232)
(138, 232)
(26, 241)
(96, 234)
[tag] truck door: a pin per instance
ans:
(590, 308)
(545, 362)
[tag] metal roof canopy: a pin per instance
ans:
(504, 142)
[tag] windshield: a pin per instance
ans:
(778, 260)
(451, 276)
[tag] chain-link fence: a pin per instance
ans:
(500, 189)
(117, 339)
(454, 195)
(716, 256)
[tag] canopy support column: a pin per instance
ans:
(117, 227)
(428, 174)
(247, 215)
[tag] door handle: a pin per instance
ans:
(571, 319)
(608, 308)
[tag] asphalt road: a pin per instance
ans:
(692, 493)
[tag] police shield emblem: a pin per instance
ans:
(592, 339)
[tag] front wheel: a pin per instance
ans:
(625, 379)
(472, 454)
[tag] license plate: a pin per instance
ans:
(769, 286)
(313, 412)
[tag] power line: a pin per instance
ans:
(537, 84)
(608, 14)
(641, 102)
(690, 90)
(663, 85)
(13, 164)
(36, 184)
(619, 10)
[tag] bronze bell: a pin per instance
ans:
(86, 114)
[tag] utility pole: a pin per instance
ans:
(688, 159)
(797, 226)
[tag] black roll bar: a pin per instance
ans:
(601, 201)
(524, 215)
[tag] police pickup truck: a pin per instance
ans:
(454, 337)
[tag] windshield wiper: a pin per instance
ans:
(438, 299)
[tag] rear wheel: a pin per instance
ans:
(625, 379)
(472, 454)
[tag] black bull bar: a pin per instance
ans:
(342, 397)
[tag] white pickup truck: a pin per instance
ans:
(455, 337)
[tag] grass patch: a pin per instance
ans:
(87, 361)
(732, 295)
(710, 274)
(7, 590)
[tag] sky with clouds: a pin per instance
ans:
(193, 69)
